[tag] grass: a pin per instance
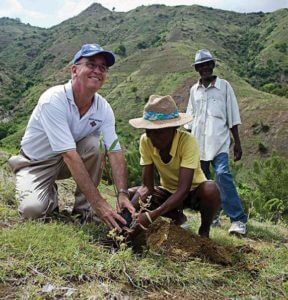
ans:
(64, 259)
(71, 259)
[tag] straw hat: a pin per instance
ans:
(160, 112)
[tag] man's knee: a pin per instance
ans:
(210, 193)
(209, 188)
(32, 209)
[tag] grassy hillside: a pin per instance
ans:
(155, 46)
(62, 259)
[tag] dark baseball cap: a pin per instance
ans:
(88, 50)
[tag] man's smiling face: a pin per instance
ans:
(90, 72)
(205, 69)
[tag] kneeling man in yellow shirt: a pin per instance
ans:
(176, 156)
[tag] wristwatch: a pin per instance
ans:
(124, 191)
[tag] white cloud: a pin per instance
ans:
(59, 10)
(10, 8)
(71, 8)
(14, 9)
(34, 14)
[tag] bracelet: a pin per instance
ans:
(124, 191)
(144, 228)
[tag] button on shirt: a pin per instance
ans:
(214, 110)
(55, 125)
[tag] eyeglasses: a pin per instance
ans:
(92, 66)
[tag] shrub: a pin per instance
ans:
(142, 45)
(132, 157)
(120, 50)
(282, 47)
(264, 191)
(133, 164)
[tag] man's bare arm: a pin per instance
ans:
(120, 177)
(86, 185)
(147, 186)
(176, 199)
(237, 145)
(148, 177)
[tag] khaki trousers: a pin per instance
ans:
(36, 189)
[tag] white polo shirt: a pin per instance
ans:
(214, 110)
(55, 125)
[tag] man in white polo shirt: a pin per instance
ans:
(62, 140)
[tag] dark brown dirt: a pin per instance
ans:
(179, 244)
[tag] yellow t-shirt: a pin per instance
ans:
(185, 153)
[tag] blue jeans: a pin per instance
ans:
(230, 200)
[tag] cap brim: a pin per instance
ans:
(203, 61)
(146, 124)
(109, 56)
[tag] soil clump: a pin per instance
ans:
(179, 244)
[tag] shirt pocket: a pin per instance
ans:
(216, 108)
(197, 110)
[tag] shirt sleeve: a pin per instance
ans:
(110, 137)
(145, 151)
(233, 114)
(189, 109)
(56, 127)
(190, 153)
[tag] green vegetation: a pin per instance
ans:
(61, 258)
(263, 188)
(155, 47)
(265, 194)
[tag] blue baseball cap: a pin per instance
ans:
(88, 50)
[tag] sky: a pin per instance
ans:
(46, 13)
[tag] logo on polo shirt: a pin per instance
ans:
(93, 122)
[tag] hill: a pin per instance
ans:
(155, 46)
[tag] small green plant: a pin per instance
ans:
(265, 195)
(121, 50)
(7, 186)
(133, 164)
(263, 149)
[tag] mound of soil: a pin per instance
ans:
(181, 245)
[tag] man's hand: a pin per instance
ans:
(108, 215)
(145, 220)
(237, 151)
(124, 202)
(142, 223)
(143, 192)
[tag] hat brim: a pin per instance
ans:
(158, 124)
(109, 56)
(203, 61)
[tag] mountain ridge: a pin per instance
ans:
(154, 47)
